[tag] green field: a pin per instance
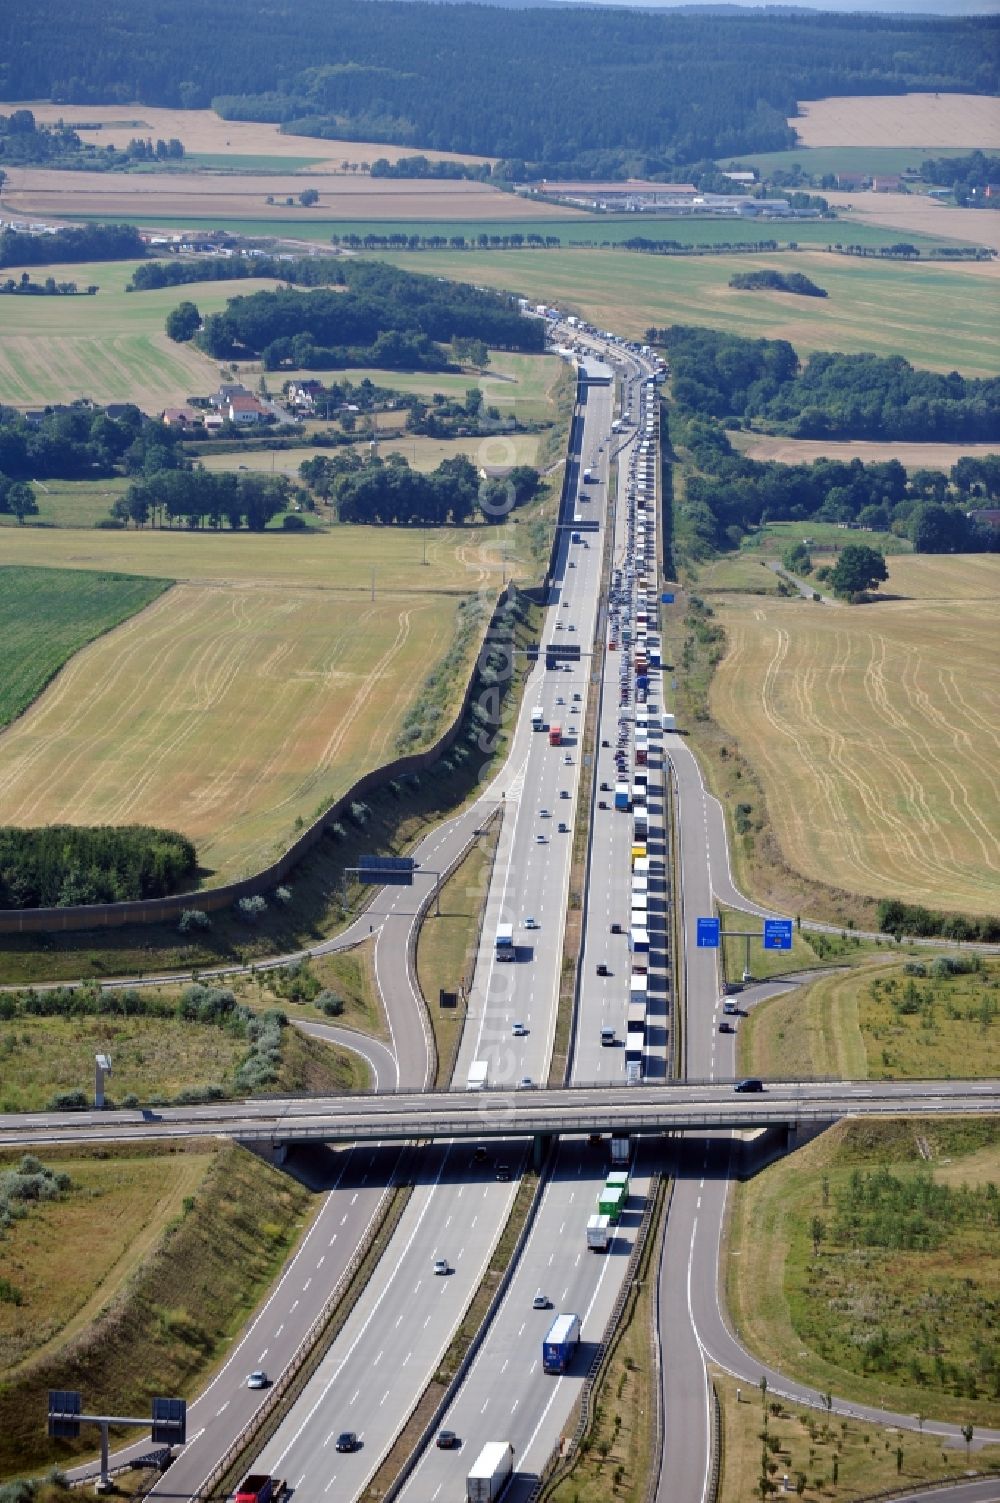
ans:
(580, 230)
(818, 160)
(46, 615)
(931, 314)
(869, 1261)
(72, 503)
(825, 537)
(235, 161)
(111, 347)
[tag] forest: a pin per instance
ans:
(386, 318)
(832, 396)
(91, 242)
(493, 81)
(967, 176)
(728, 494)
(57, 866)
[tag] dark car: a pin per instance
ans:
(602, 969)
(348, 1441)
(447, 1440)
(726, 1027)
(750, 1085)
(616, 928)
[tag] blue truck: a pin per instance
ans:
(561, 1341)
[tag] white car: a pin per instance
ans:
(544, 814)
(519, 1031)
(526, 1083)
(531, 922)
(257, 1379)
(541, 840)
(441, 1266)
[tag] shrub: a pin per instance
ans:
(68, 1101)
(250, 909)
(283, 895)
(329, 1003)
(193, 918)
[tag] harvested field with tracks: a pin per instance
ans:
(875, 731)
(227, 711)
(870, 451)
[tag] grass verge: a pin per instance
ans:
(810, 948)
(620, 1440)
(447, 946)
(474, 1316)
(840, 1460)
(165, 1325)
(895, 1019)
(868, 1261)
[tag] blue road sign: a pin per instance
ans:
(708, 934)
(388, 863)
(777, 934)
(169, 1422)
(666, 600)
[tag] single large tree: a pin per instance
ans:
(858, 569)
(183, 323)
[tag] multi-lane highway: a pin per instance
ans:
(404, 1321)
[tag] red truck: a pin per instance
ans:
(555, 734)
(259, 1488)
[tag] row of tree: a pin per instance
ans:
(57, 866)
(388, 491)
(92, 242)
(24, 142)
(831, 396)
(199, 498)
(302, 271)
(493, 81)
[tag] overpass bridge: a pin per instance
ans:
(687, 1106)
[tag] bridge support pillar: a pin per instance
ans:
(539, 1148)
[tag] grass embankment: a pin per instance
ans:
(842, 1460)
(156, 1058)
(693, 644)
(398, 817)
(869, 1262)
(447, 947)
(617, 1447)
(474, 1316)
(886, 1019)
(134, 1282)
(46, 615)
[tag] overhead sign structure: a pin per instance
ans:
(777, 934)
(65, 1407)
(169, 1422)
(708, 934)
(386, 870)
(563, 652)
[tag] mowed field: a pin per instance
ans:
(111, 347)
(217, 197)
(875, 731)
(227, 711)
(931, 314)
(497, 451)
(870, 451)
(912, 216)
(923, 120)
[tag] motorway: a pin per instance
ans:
(403, 1322)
